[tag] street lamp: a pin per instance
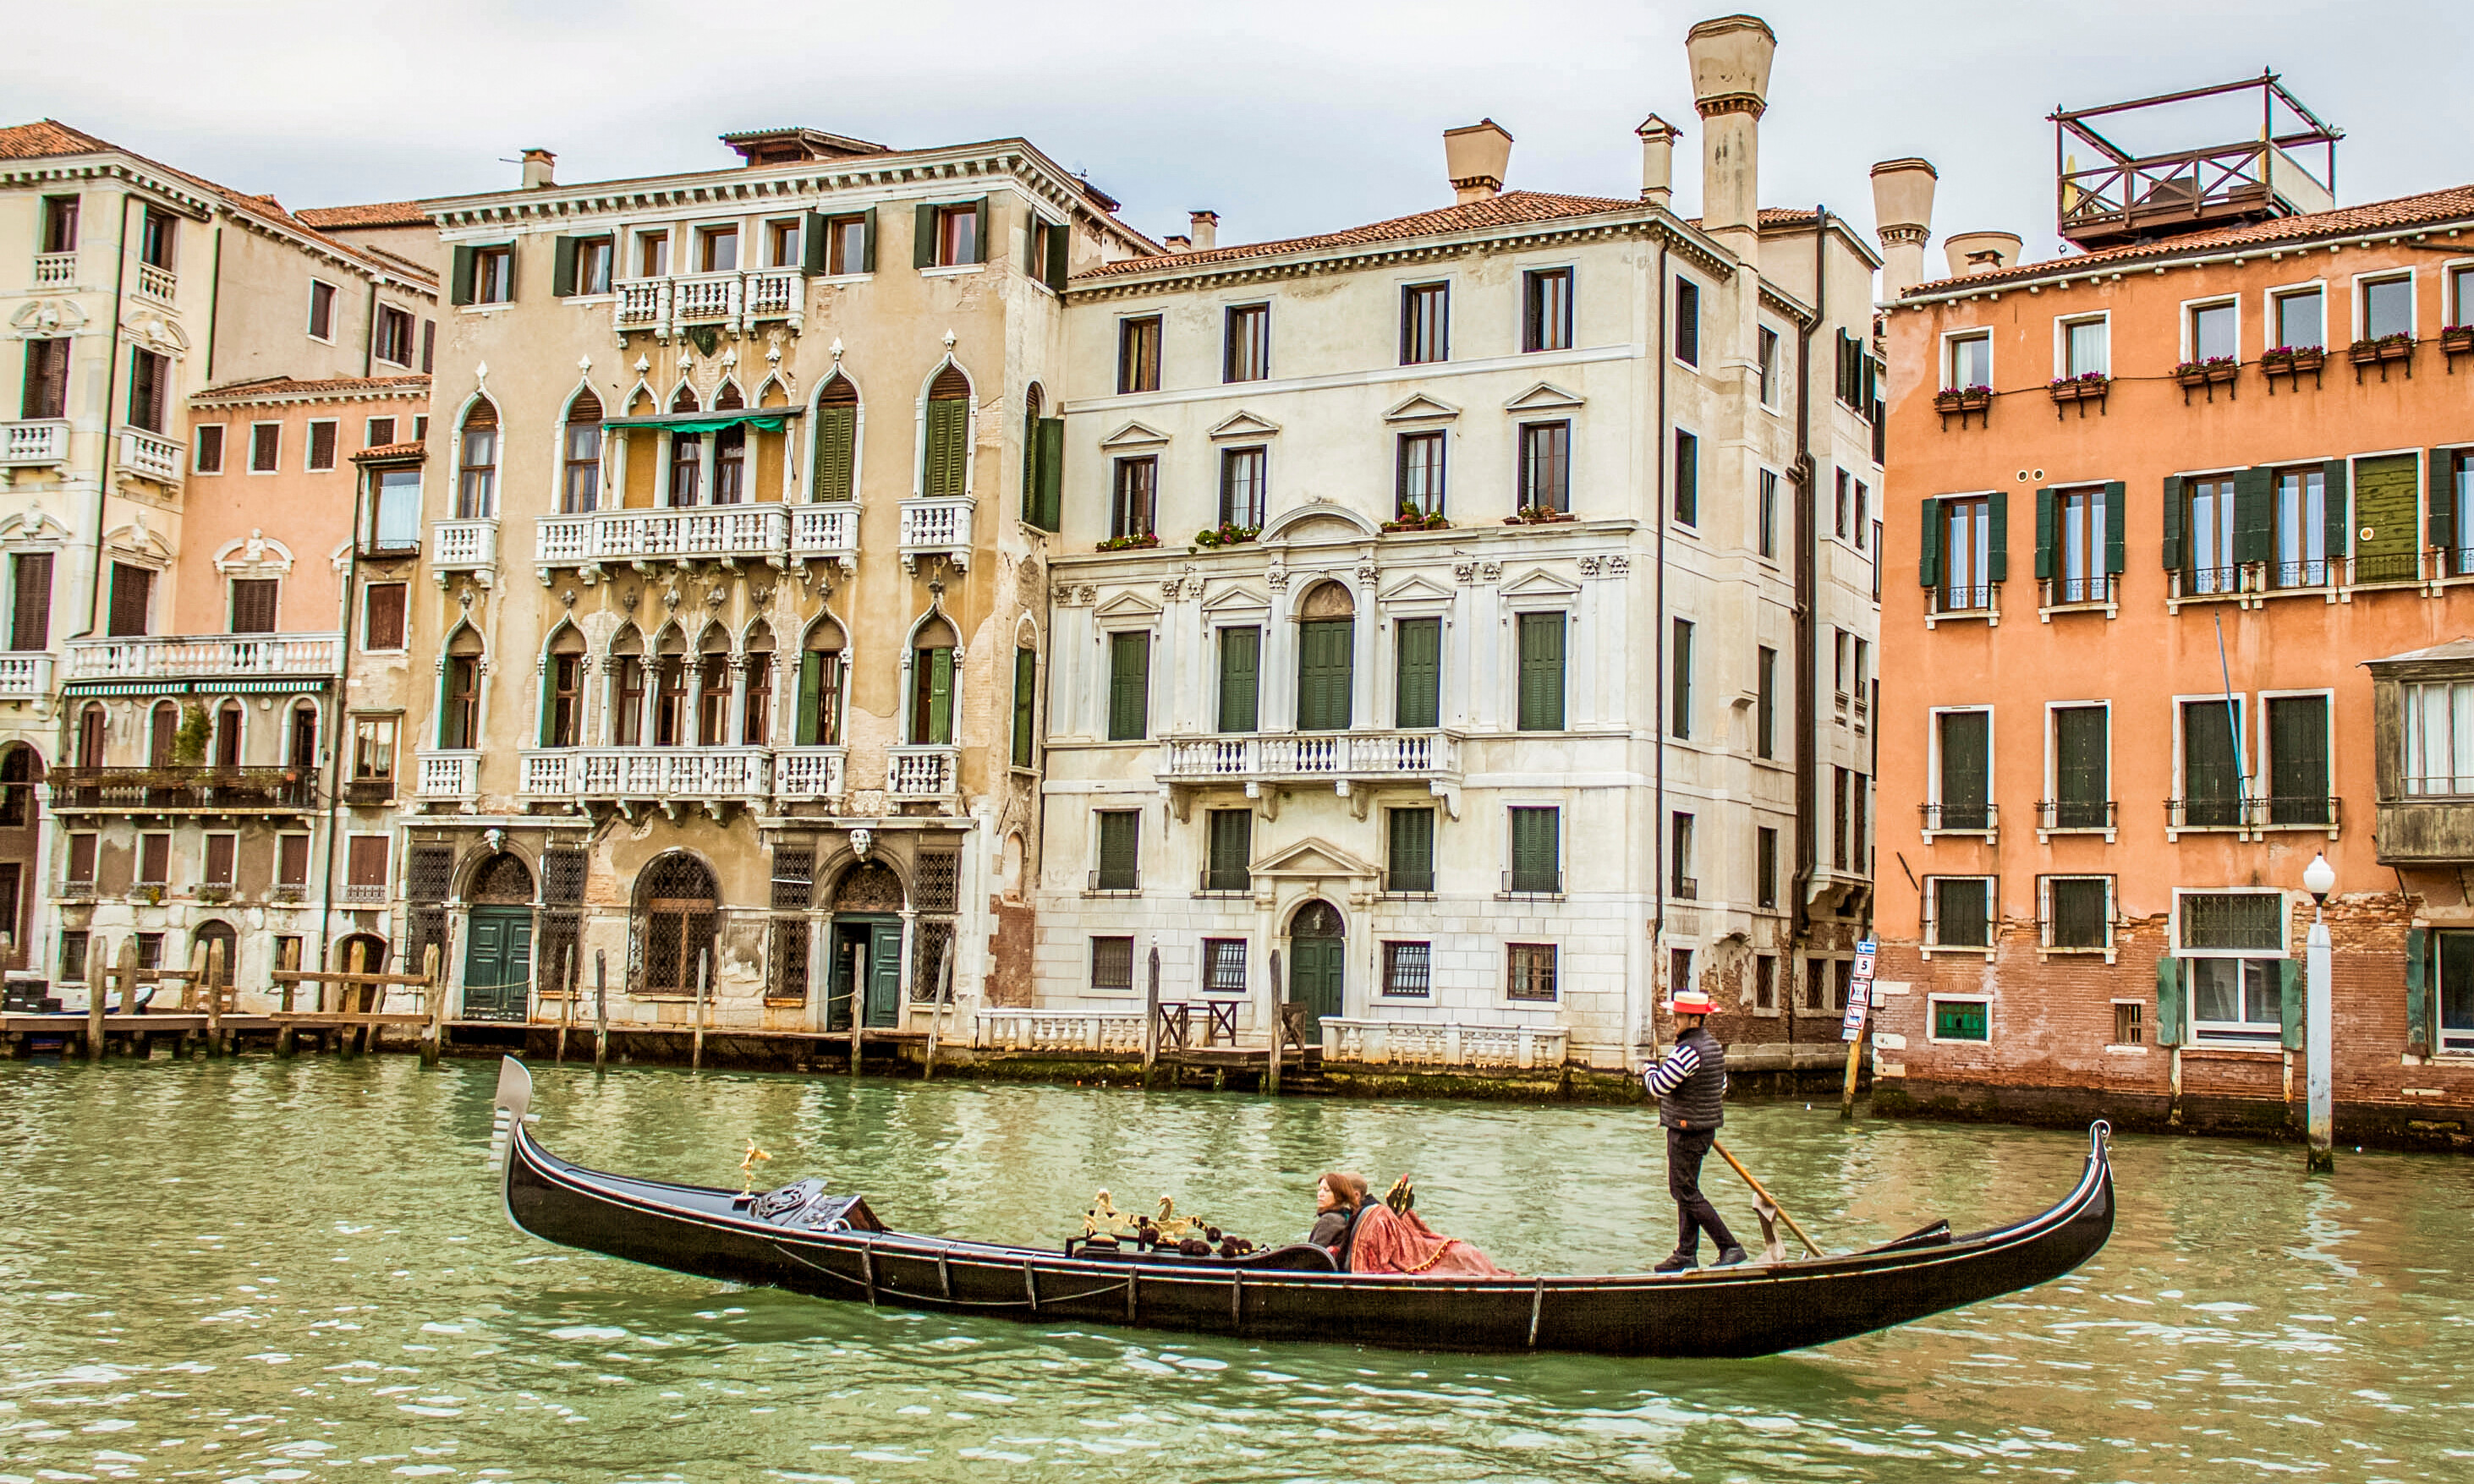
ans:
(2319, 879)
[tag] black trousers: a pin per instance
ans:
(1686, 1149)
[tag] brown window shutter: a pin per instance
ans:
(252, 605)
(131, 586)
(385, 630)
(368, 863)
(321, 445)
(30, 615)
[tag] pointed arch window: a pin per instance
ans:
(686, 456)
(563, 690)
(730, 451)
(675, 912)
(627, 690)
(459, 715)
(949, 432)
(670, 680)
(579, 491)
(476, 478)
(713, 692)
(931, 683)
(162, 735)
(821, 669)
(837, 435)
(756, 725)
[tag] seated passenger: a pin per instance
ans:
(1385, 1240)
(1339, 1198)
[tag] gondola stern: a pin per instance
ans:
(511, 1109)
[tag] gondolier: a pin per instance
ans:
(1691, 1085)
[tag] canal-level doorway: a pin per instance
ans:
(1317, 962)
(498, 941)
(863, 948)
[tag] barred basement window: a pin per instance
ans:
(1960, 912)
(928, 941)
(1529, 971)
(1112, 963)
(428, 879)
(795, 881)
(73, 947)
(1961, 1019)
(936, 881)
(676, 911)
(1224, 966)
(2129, 1023)
(1408, 969)
(787, 964)
(2233, 921)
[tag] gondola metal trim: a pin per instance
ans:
(1537, 1303)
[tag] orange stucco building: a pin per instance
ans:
(2158, 513)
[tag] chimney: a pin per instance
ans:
(1980, 252)
(1903, 198)
(1658, 139)
(1730, 79)
(1475, 158)
(1206, 230)
(1177, 244)
(537, 169)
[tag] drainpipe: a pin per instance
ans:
(1808, 557)
(1658, 661)
(370, 347)
(110, 393)
(333, 731)
(214, 303)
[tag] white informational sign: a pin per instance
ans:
(1860, 993)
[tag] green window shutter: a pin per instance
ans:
(1130, 686)
(2443, 498)
(548, 739)
(2418, 997)
(2169, 1001)
(2254, 514)
(811, 687)
(1417, 698)
(1532, 851)
(562, 267)
(948, 424)
(1241, 654)
(1025, 702)
(1120, 849)
(1542, 672)
(2211, 772)
(837, 435)
(1323, 674)
(2080, 761)
(867, 243)
(923, 237)
(1060, 241)
(812, 257)
(2044, 533)
(2173, 544)
(2297, 752)
(1928, 547)
(1052, 473)
(2289, 1007)
(459, 287)
(1411, 850)
(1232, 850)
(979, 229)
(941, 695)
(2116, 495)
(2339, 529)
(1997, 561)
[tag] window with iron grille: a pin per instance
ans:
(2233, 921)
(559, 952)
(787, 964)
(562, 877)
(2129, 1023)
(675, 923)
(428, 878)
(795, 881)
(1224, 966)
(1112, 963)
(73, 947)
(928, 941)
(1960, 912)
(1529, 971)
(935, 883)
(1408, 969)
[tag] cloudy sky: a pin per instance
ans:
(1286, 116)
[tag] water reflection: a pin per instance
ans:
(296, 1271)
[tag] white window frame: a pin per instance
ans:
(1932, 764)
(2275, 295)
(1929, 938)
(1777, 365)
(798, 224)
(637, 236)
(2054, 769)
(2362, 298)
(1554, 967)
(698, 231)
(206, 839)
(249, 457)
(2285, 948)
(2245, 738)
(481, 305)
(2453, 316)
(1705, 296)
(2189, 307)
(2264, 758)
(2146, 1026)
(334, 309)
(2045, 916)
(1932, 1005)
(1950, 339)
(309, 446)
(2062, 339)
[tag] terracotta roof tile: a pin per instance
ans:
(264, 387)
(1512, 208)
(45, 138)
(390, 451)
(2377, 216)
(382, 213)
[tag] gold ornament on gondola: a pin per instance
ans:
(747, 1168)
(1402, 1197)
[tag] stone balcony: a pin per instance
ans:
(182, 790)
(33, 445)
(161, 284)
(150, 455)
(826, 531)
(447, 776)
(25, 676)
(205, 656)
(938, 526)
(922, 773)
(665, 777)
(803, 774)
(726, 534)
(54, 269)
(1338, 759)
(735, 299)
(464, 546)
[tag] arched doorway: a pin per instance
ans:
(676, 900)
(221, 967)
(1317, 962)
(22, 770)
(866, 947)
(498, 941)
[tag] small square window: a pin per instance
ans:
(1408, 969)
(2301, 320)
(2214, 331)
(2129, 1023)
(377, 432)
(1113, 964)
(1971, 362)
(1224, 966)
(1961, 1019)
(1529, 971)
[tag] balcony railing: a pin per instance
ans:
(210, 656)
(725, 533)
(463, 546)
(25, 676)
(920, 772)
(937, 527)
(830, 530)
(38, 442)
(156, 457)
(699, 775)
(452, 774)
(367, 793)
(1342, 755)
(804, 773)
(159, 284)
(1963, 819)
(2068, 814)
(52, 269)
(736, 297)
(183, 790)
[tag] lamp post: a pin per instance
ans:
(2318, 1032)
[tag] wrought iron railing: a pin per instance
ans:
(2076, 813)
(1958, 818)
(192, 789)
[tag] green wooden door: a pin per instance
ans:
(1317, 962)
(2388, 508)
(498, 964)
(2212, 780)
(1324, 648)
(1966, 738)
(885, 973)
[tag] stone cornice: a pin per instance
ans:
(244, 398)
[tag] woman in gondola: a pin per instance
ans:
(1340, 1197)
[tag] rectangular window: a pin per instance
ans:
(1764, 981)
(1417, 699)
(157, 234)
(154, 859)
(2214, 331)
(1537, 856)
(373, 749)
(1120, 851)
(1542, 672)
(252, 605)
(1961, 1019)
(133, 593)
(1546, 466)
(782, 244)
(1962, 912)
(2211, 559)
(1112, 963)
(718, 250)
(1129, 685)
(82, 855)
(653, 255)
(957, 234)
(391, 339)
(2078, 912)
(1026, 704)
(2079, 562)
(1840, 830)
(2300, 517)
(1971, 362)
(596, 265)
(59, 225)
(321, 310)
(211, 449)
(1764, 702)
(1241, 660)
(292, 860)
(846, 246)
(1765, 861)
(1681, 882)
(45, 394)
(2388, 307)
(2452, 964)
(1136, 504)
(1688, 322)
(1840, 505)
(1529, 971)
(2439, 738)
(1224, 966)
(150, 382)
(2082, 770)
(493, 275)
(265, 448)
(1863, 514)
(1425, 324)
(2087, 347)
(1768, 514)
(1138, 355)
(1965, 799)
(2129, 1023)
(1410, 851)
(73, 956)
(1408, 969)
(1967, 554)
(1679, 968)
(30, 600)
(1546, 309)
(1420, 475)
(1244, 485)
(377, 432)
(2212, 771)
(1680, 688)
(1248, 354)
(1687, 478)
(2297, 760)
(2301, 320)
(1765, 352)
(2236, 1001)
(383, 616)
(1231, 845)
(321, 446)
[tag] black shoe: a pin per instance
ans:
(1729, 1256)
(1682, 1260)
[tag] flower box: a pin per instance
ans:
(2457, 339)
(1226, 535)
(1537, 516)
(1962, 398)
(1410, 520)
(2215, 369)
(1129, 542)
(2388, 348)
(2291, 358)
(2081, 390)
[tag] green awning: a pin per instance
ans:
(235, 685)
(766, 420)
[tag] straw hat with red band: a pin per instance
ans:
(1690, 1002)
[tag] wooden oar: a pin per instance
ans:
(1759, 1191)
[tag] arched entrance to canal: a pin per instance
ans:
(1317, 962)
(498, 940)
(864, 948)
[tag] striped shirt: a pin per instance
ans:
(1669, 1074)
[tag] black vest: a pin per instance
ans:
(1700, 1102)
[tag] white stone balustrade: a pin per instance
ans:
(150, 454)
(736, 297)
(1335, 754)
(723, 533)
(936, 527)
(451, 775)
(1058, 1030)
(920, 772)
(463, 546)
(205, 656)
(37, 443)
(53, 269)
(807, 773)
(1443, 1044)
(25, 676)
(159, 284)
(696, 775)
(830, 530)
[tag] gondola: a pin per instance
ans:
(831, 1245)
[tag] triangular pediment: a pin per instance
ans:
(1245, 424)
(1133, 435)
(1420, 407)
(1541, 583)
(1418, 587)
(1237, 597)
(1129, 605)
(1545, 397)
(1312, 857)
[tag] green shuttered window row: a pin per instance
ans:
(1542, 672)
(1130, 686)
(1121, 833)
(1231, 848)
(1026, 704)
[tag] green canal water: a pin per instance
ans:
(298, 1271)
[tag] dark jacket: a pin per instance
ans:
(1336, 1233)
(1690, 1084)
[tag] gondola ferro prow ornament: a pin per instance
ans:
(511, 1104)
(747, 1168)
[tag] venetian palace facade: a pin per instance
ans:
(2187, 515)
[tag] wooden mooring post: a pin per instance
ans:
(287, 1039)
(1279, 1031)
(937, 1010)
(704, 990)
(601, 1007)
(1150, 1018)
(433, 1032)
(208, 958)
(567, 1006)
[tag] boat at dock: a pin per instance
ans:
(800, 1238)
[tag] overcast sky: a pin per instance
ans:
(1286, 117)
